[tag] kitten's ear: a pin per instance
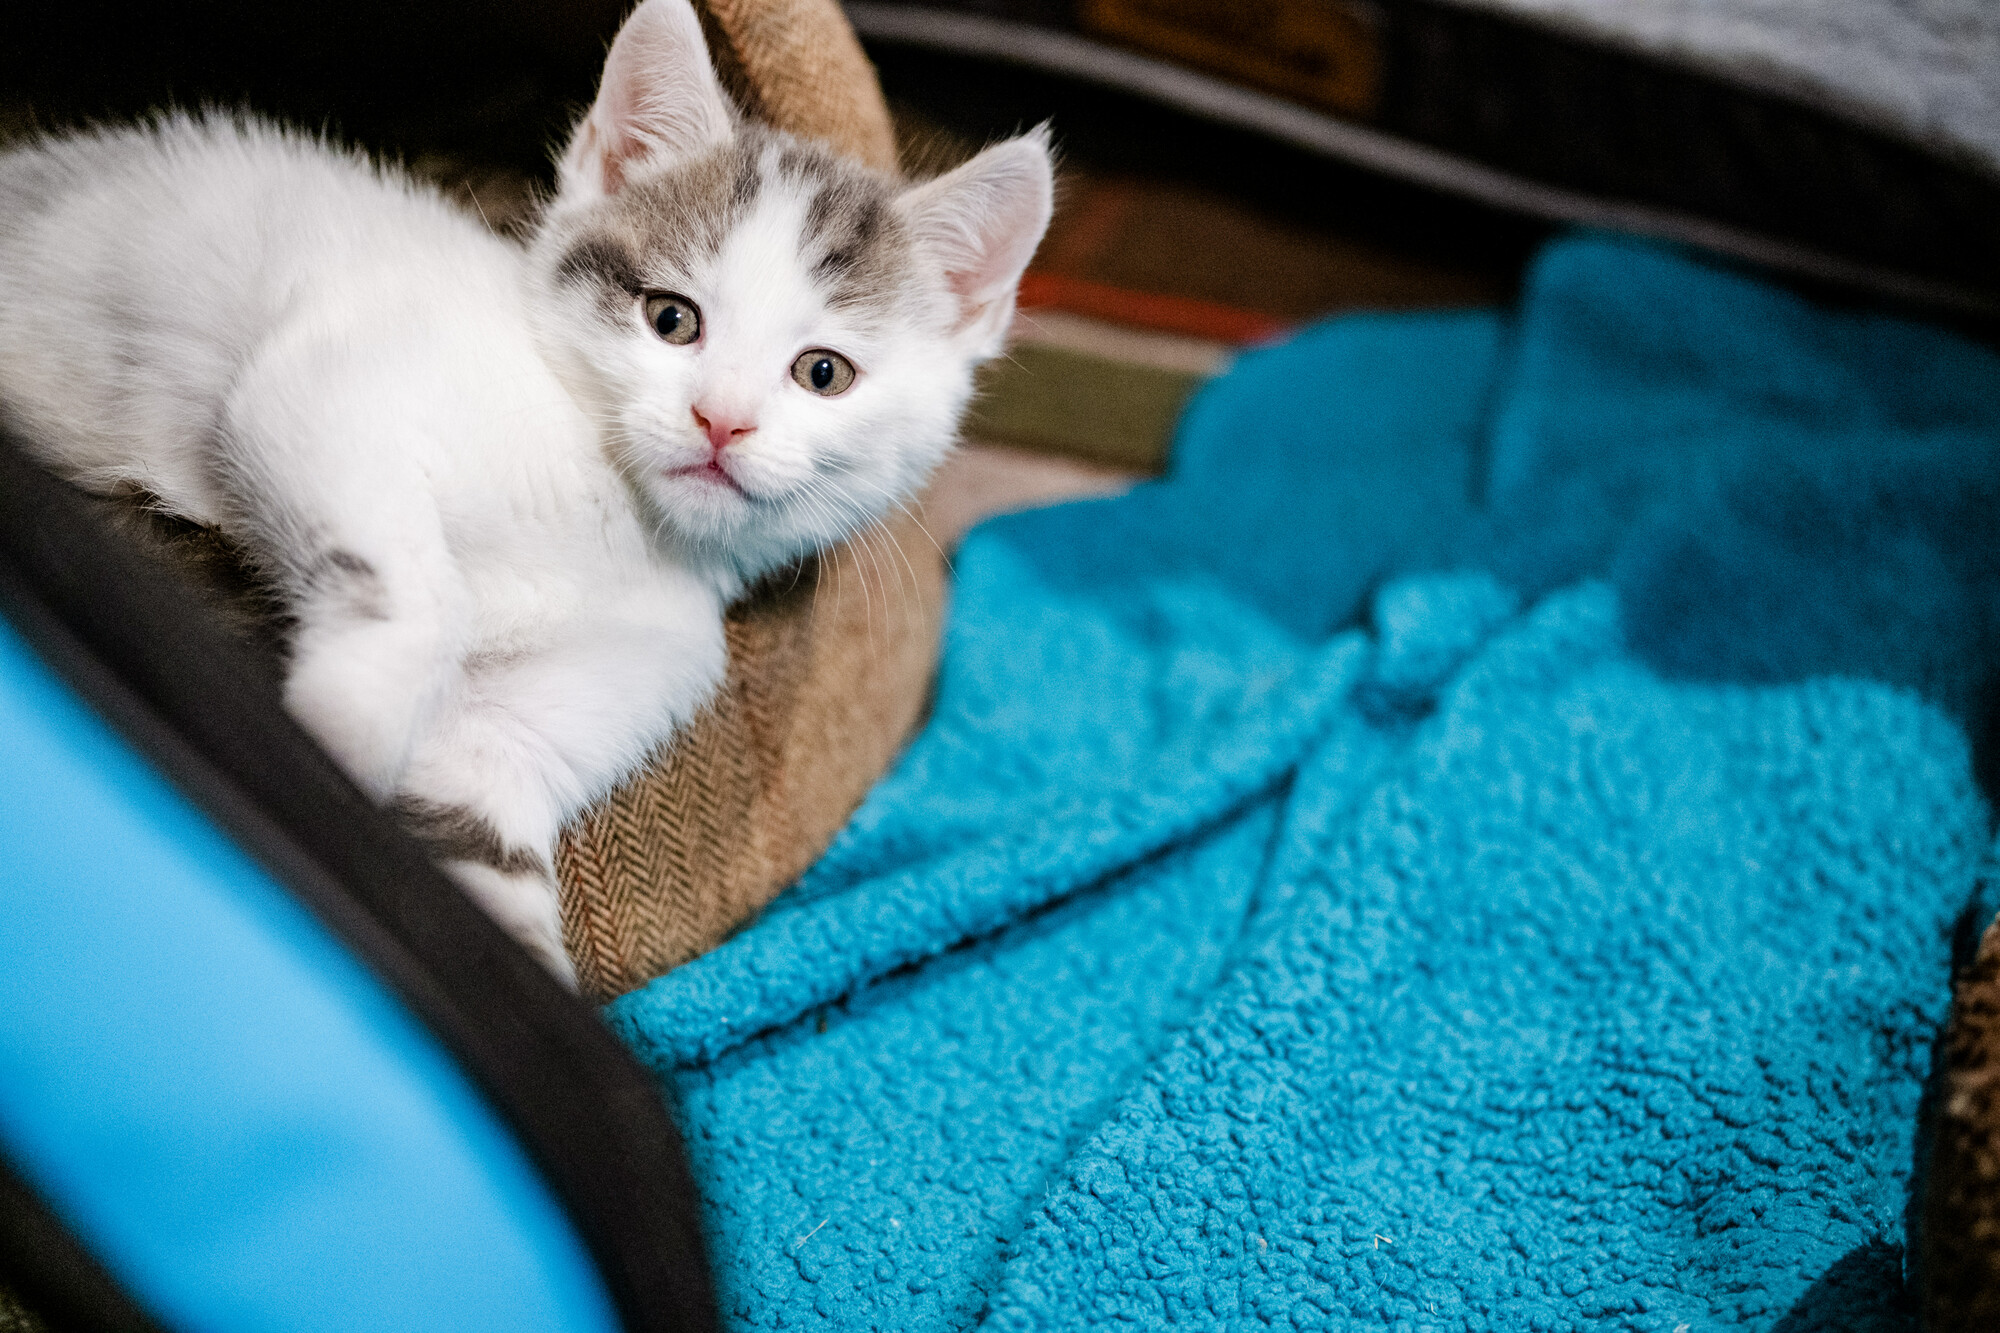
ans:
(659, 97)
(983, 221)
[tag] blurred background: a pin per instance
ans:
(1229, 170)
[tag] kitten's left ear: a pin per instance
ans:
(983, 222)
(660, 97)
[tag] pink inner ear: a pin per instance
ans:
(994, 271)
(588, 146)
(969, 285)
(614, 130)
(978, 300)
(985, 219)
(612, 149)
(659, 95)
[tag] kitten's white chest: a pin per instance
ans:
(559, 557)
(579, 619)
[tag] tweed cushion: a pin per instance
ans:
(829, 671)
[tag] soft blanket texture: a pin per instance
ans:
(1475, 848)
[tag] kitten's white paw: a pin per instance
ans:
(364, 684)
(526, 906)
(367, 735)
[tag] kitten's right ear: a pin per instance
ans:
(982, 223)
(659, 98)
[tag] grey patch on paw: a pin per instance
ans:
(459, 833)
(355, 582)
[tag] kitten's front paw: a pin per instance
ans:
(363, 687)
(367, 747)
(526, 906)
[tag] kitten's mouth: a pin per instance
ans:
(710, 473)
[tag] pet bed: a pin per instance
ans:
(1164, 979)
(1560, 946)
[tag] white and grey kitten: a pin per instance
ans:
(506, 490)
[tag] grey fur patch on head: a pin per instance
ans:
(860, 255)
(458, 833)
(600, 260)
(855, 244)
(665, 225)
(604, 266)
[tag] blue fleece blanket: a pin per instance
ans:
(1475, 848)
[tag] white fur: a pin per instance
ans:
(457, 475)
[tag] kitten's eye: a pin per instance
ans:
(674, 318)
(825, 372)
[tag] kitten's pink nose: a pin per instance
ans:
(723, 428)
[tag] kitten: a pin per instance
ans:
(505, 490)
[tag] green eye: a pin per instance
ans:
(827, 373)
(675, 318)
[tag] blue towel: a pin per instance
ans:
(1476, 848)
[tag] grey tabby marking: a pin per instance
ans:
(457, 833)
(657, 232)
(605, 262)
(861, 248)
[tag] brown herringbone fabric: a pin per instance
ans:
(796, 64)
(828, 672)
(1957, 1242)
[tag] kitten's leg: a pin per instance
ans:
(389, 695)
(477, 793)
(530, 737)
(332, 486)
(335, 504)
(514, 884)
(383, 688)
(376, 640)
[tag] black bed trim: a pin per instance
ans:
(134, 643)
(1534, 122)
(51, 1272)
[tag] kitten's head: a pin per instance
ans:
(777, 342)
